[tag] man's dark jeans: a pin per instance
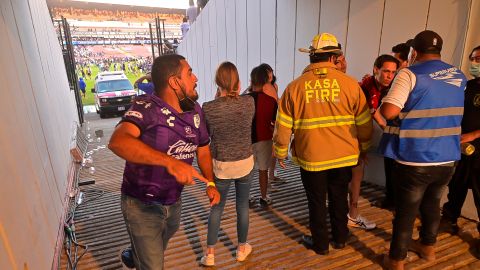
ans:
(467, 175)
(317, 185)
(390, 193)
(417, 188)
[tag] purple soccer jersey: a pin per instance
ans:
(168, 131)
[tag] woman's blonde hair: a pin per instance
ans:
(227, 78)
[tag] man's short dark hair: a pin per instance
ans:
(163, 68)
(474, 49)
(321, 57)
(402, 49)
(385, 58)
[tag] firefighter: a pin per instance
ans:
(329, 117)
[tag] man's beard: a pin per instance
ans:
(187, 103)
(194, 97)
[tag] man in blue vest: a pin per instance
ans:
(426, 104)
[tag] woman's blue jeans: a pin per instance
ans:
(242, 194)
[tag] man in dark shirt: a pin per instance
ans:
(158, 137)
(467, 173)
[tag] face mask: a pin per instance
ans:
(474, 69)
(186, 104)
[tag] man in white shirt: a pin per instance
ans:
(425, 103)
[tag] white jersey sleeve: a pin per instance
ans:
(401, 87)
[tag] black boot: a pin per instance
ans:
(127, 257)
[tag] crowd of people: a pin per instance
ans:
(412, 105)
(113, 15)
(86, 62)
(86, 54)
(85, 57)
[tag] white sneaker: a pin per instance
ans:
(208, 260)
(361, 222)
(242, 255)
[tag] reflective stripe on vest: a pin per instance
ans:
(431, 113)
(423, 133)
(428, 127)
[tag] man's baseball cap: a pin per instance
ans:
(323, 43)
(427, 42)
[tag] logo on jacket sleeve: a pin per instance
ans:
(196, 120)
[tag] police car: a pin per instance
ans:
(113, 93)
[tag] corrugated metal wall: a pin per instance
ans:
(249, 32)
(37, 124)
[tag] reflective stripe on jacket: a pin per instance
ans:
(328, 115)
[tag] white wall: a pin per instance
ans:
(38, 115)
(271, 31)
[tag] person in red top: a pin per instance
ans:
(271, 89)
(262, 128)
(375, 87)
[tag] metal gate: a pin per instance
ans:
(160, 44)
(64, 37)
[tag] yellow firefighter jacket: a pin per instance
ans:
(328, 115)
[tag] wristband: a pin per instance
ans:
(211, 184)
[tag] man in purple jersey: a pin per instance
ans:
(159, 137)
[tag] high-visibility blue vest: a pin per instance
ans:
(429, 126)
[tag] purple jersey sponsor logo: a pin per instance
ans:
(182, 150)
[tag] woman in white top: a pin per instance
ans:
(229, 121)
